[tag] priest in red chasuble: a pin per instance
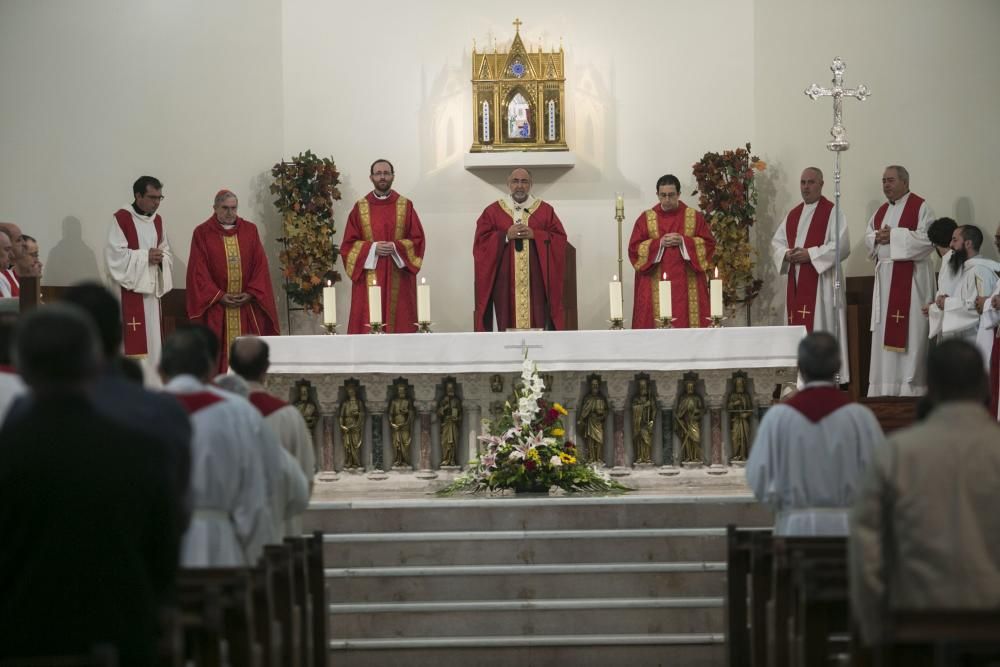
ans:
(383, 245)
(228, 280)
(520, 255)
(675, 240)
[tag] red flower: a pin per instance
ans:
(552, 415)
(529, 465)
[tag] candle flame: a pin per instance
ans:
(329, 283)
(375, 282)
(614, 278)
(716, 272)
(664, 275)
(423, 281)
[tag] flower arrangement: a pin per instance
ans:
(526, 449)
(306, 188)
(729, 200)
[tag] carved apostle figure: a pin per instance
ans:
(740, 407)
(352, 423)
(593, 414)
(401, 425)
(306, 405)
(449, 411)
(687, 423)
(642, 423)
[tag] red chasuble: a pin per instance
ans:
(518, 284)
(391, 219)
(688, 281)
(897, 327)
(133, 312)
(230, 262)
(800, 297)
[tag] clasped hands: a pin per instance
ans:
(520, 231)
(672, 240)
(882, 236)
(235, 300)
(384, 248)
(797, 256)
(155, 256)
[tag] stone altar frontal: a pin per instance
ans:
(480, 362)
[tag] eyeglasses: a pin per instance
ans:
(155, 197)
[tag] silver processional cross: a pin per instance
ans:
(838, 145)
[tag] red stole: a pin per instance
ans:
(265, 403)
(197, 400)
(9, 370)
(15, 287)
(800, 296)
(900, 287)
(133, 313)
(816, 403)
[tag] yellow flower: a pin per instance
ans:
(558, 432)
(533, 455)
(560, 409)
(566, 458)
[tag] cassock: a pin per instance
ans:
(231, 519)
(373, 219)
(142, 285)
(904, 282)
(988, 341)
(959, 318)
(13, 284)
(288, 424)
(521, 281)
(6, 289)
(230, 260)
(685, 267)
(808, 457)
(809, 295)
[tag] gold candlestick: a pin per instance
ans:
(331, 328)
(665, 323)
(424, 327)
(717, 321)
(617, 324)
(376, 328)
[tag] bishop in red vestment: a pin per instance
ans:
(675, 240)
(519, 254)
(228, 280)
(383, 245)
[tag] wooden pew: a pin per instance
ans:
(225, 595)
(298, 549)
(317, 592)
(279, 559)
(942, 637)
(790, 555)
(748, 571)
(822, 608)
(99, 656)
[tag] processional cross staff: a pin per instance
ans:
(838, 145)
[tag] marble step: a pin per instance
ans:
(533, 513)
(524, 546)
(527, 617)
(525, 582)
(633, 650)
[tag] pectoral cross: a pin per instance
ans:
(135, 324)
(804, 312)
(838, 92)
(898, 316)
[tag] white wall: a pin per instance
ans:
(936, 94)
(210, 94)
(94, 94)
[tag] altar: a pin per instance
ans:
(316, 372)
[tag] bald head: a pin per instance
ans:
(249, 358)
(16, 240)
(811, 185)
(519, 184)
(819, 357)
(5, 250)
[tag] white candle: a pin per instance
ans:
(375, 304)
(716, 295)
(619, 204)
(423, 301)
(666, 307)
(329, 304)
(615, 289)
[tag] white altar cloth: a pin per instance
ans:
(501, 352)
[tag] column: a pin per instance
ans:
(667, 442)
(716, 466)
(377, 469)
(620, 468)
(425, 467)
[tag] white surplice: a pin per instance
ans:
(810, 472)
(959, 317)
(823, 258)
(989, 329)
(231, 518)
(11, 386)
(900, 373)
(293, 433)
(131, 269)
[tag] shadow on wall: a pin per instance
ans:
(71, 260)
(769, 306)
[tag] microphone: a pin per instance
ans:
(518, 245)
